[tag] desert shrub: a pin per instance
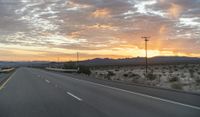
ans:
(185, 66)
(129, 72)
(84, 70)
(173, 79)
(181, 67)
(101, 74)
(175, 66)
(197, 79)
(116, 70)
(125, 75)
(175, 69)
(69, 65)
(177, 86)
(117, 79)
(110, 73)
(183, 76)
(191, 71)
(151, 76)
(134, 75)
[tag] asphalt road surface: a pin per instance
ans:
(37, 93)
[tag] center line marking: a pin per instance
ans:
(47, 81)
(74, 96)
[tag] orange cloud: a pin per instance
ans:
(103, 27)
(74, 34)
(163, 29)
(175, 10)
(45, 34)
(26, 52)
(101, 13)
(73, 4)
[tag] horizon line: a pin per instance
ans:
(93, 58)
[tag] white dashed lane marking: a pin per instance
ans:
(47, 81)
(74, 96)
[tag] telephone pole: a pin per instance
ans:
(146, 39)
(58, 59)
(77, 59)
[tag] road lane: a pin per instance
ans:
(34, 92)
(26, 96)
(168, 94)
(115, 102)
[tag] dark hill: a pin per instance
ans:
(140, 61)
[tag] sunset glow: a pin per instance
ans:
(35, 30)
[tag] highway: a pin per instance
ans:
(32, 92)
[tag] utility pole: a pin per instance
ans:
(146, 39)
(58, 59)
(77, 59)
(77, 56)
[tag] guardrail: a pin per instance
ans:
(6, 70)
(62, 70)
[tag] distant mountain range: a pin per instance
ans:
(140, 61)
(108, 61)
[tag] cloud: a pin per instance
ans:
(101, 13)
(163, 29)
(101, 24)
(175, 10)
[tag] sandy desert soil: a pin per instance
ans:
(181, 76)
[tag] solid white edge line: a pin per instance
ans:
(136, 93)
(74, 96)
(144, 95)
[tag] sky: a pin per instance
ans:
(54, 30)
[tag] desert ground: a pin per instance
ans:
(176, 76)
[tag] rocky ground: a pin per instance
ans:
(180, 76)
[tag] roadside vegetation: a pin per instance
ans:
(176, 76)
(84, 69)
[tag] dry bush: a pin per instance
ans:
(151, 76)
(178, 86)
(173, 79)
